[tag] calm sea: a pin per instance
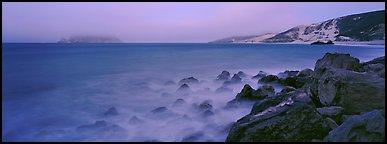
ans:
(48, 90)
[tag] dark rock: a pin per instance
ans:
(305, 73)
(190, 80)
(293, 119)
(223, 89)
(331, 123)
(206, 105)
(269, 79)
(159, 110)
(330, 111)
(111, 112)
(261, 74)
(322, 43)
(135, 120)
(367, 127)
(287, 73)
(179, 103)
(375, 66)
(287, 89)
(264, 91)
(224, 76)
(98, 125)
(379, 60)
(241, 74)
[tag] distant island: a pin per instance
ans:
(322, 43)
(90, 39)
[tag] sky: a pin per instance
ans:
(164, 22)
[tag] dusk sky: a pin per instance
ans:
(164, 22)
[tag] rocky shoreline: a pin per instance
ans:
(341, 100)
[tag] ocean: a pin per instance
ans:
(50, 90)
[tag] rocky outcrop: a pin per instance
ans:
(367, 127)
(249, 93)
(184, 88)
(375, 66)
(292, 118)
(111, 112)
(241, 74)
(336, 82)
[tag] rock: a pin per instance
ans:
(205, 106)
(184, 88)
(261, 74)
(241, 74)
(269, 79)
(98, 125)
(249, 94)
(207, 113)
(235, 79)
(367, 127)
(355, 92)
(159, 110)
(379, 60)
(224, 76)
(331, 123)
(330, 111)
(111, 112)
(339, 61)
(195, 137)
(293, 119)
(305, 73)
(287, 89)
(135, 120)
(179, 103)
(287, 73)
(223, 89)
(190, 80)
(375, 66)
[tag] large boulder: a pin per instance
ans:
(224, 76)
(184, 88)
(375, 66)
(367, 127)
(305, 73)
(333, 83)
(190, 80)
(249, 93)
(235, 79)
(290, 118)
(340, 61)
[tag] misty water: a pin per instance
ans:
(49, 90)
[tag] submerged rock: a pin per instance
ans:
(170, 82)
(135, 120)
(261, 74)
(179, 103)
(235, 79)
(159, 110)
(195, 137)
(292, 119)
(207, 113)
(98, 125)
(241, 74)
(190, 80)
(111, 112)
(367, 127)
(224, 76)
(184, 88)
